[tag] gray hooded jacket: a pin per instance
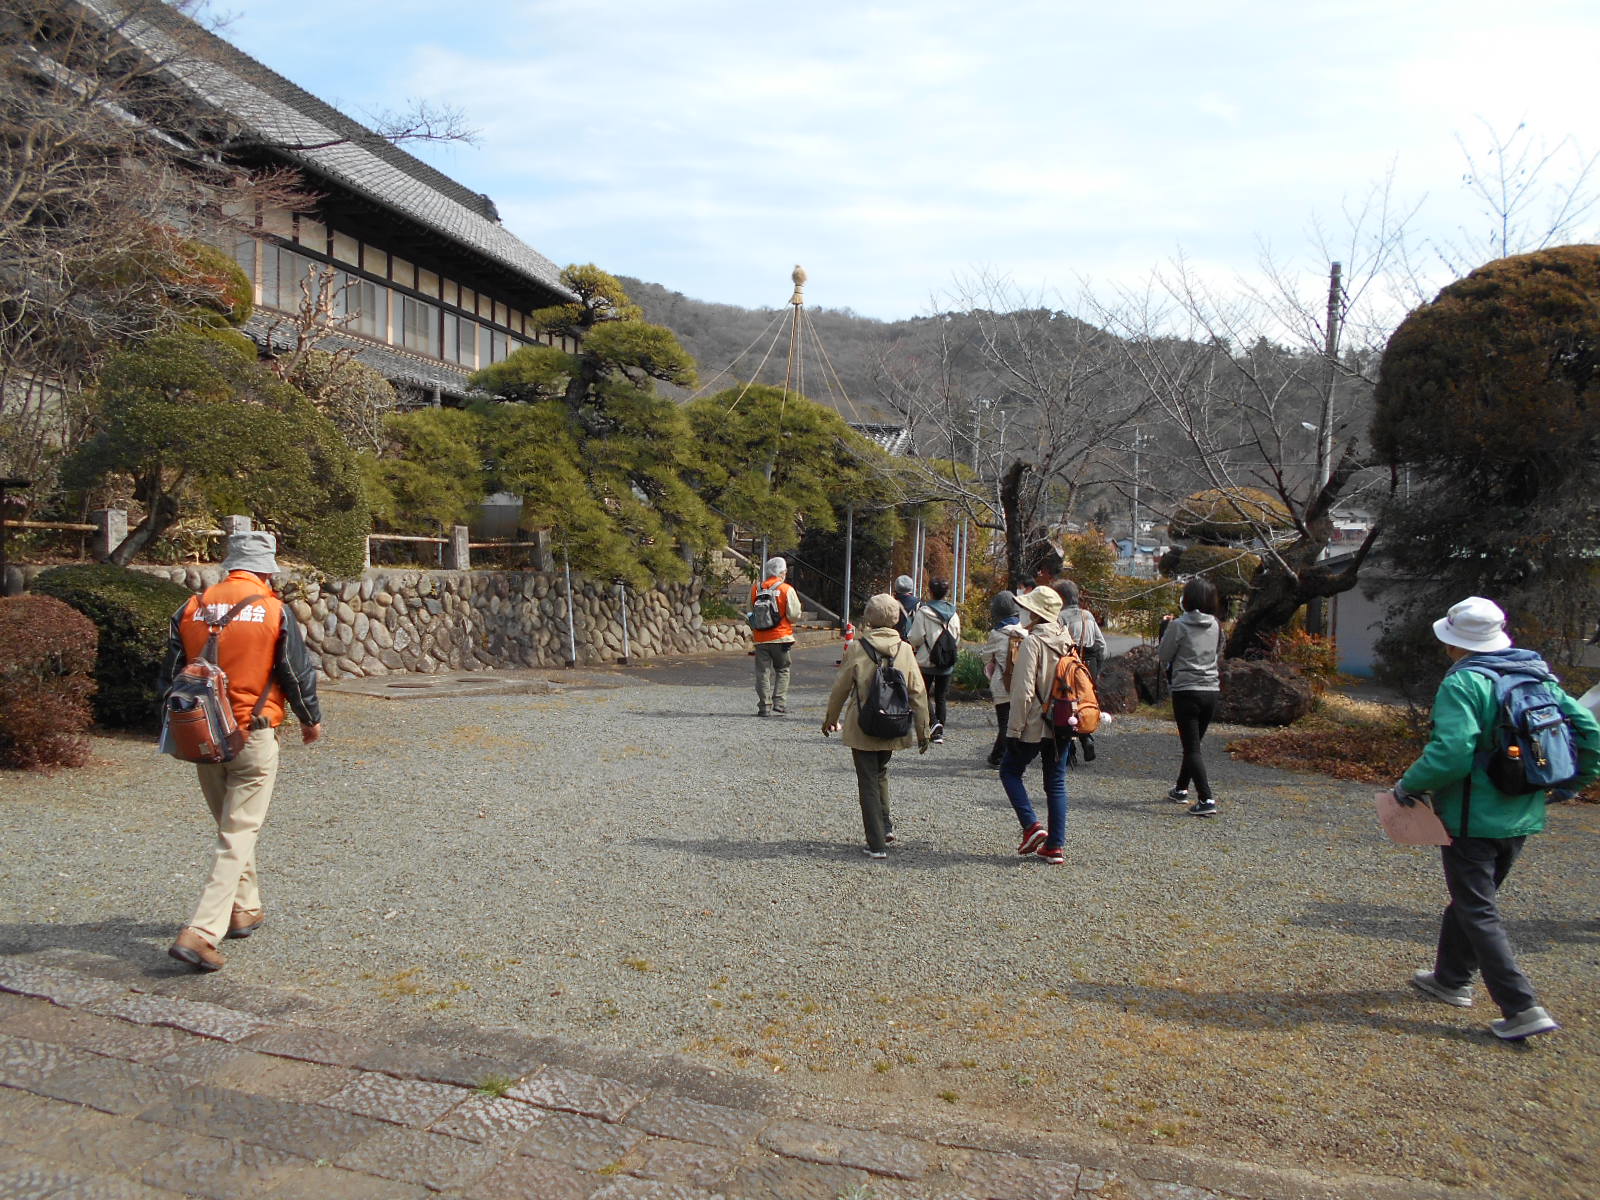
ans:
(1192, 647)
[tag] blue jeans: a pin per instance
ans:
(1053, 761)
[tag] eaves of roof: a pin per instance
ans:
(273, 334)
(325, 143)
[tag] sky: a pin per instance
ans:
(904, 150)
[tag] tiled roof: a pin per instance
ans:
(283, 116)
(396, 365)
(892, 439)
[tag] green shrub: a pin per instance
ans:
(132, 611)
(968, 675)
(47, 655)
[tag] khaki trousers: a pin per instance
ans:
(238, 794)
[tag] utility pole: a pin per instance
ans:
(1331, 350)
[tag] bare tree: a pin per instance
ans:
(1012, 405)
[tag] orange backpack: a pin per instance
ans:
(1072, 707)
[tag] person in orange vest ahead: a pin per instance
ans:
(774, 608)
(261, 650)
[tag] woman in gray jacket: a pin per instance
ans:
(1191, 654)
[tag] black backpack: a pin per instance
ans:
(766, 612)
(885, 711)
(943, 653)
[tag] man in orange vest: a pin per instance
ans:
(261, 650)
(774, 642)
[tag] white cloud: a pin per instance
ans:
(891, 145)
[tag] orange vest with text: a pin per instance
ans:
(784, 630)
(248, 647)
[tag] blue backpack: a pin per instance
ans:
(1533, 748)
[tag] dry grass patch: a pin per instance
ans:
(1359, 740)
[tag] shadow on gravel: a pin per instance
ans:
(1531, 936)
(1365, 1009)
(903, 854)
(119, 937)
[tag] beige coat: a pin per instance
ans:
(855, 673)
(1031, 679)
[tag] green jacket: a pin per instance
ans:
(1464, 713)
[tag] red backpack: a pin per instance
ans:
(197, 723)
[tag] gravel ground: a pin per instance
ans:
(645, 863)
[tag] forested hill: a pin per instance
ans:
(725, 337)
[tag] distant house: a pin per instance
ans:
(424, 282)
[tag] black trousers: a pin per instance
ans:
(1193, 712)
(938, 689)
(1472, 937)
(1002, 714)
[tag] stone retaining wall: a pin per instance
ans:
(391, 621)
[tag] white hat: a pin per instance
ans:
(776, 566)
(254, 550)
(1473, 624)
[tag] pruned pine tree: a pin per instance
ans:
(780, 464)
(193, 419)
(625, 509)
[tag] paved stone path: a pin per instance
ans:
(114, 1086)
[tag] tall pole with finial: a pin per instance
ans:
(793, 376)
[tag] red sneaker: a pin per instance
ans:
(1052, 855)
(1032, 838)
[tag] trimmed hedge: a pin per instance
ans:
(132, 611)
(47, 656)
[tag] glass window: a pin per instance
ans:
(368, 303)
(278, 221)
(374, 261)
(244, 253)
(313, 235)
(467, 334)
(469, 300)
(451, 293)
(427, 283)
(497, 346)
(501, 316)
(346, 249)
(419, 329)
(402, 272)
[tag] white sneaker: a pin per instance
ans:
(871, 853)
(1425, 983)
(1525, 1024)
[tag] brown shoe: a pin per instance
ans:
(193, 949)
(245, 921)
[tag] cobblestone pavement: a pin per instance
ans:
(114, 1086)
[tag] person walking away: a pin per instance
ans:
(998, 656)
(774, 646)
(1029, 735)
(261, 650)
(1091, 643)
(1191, 654)
(872, 754)
(928, 627)
(1488, 827)
(905, 591)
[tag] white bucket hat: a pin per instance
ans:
(1473, 624)
(255, 550)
